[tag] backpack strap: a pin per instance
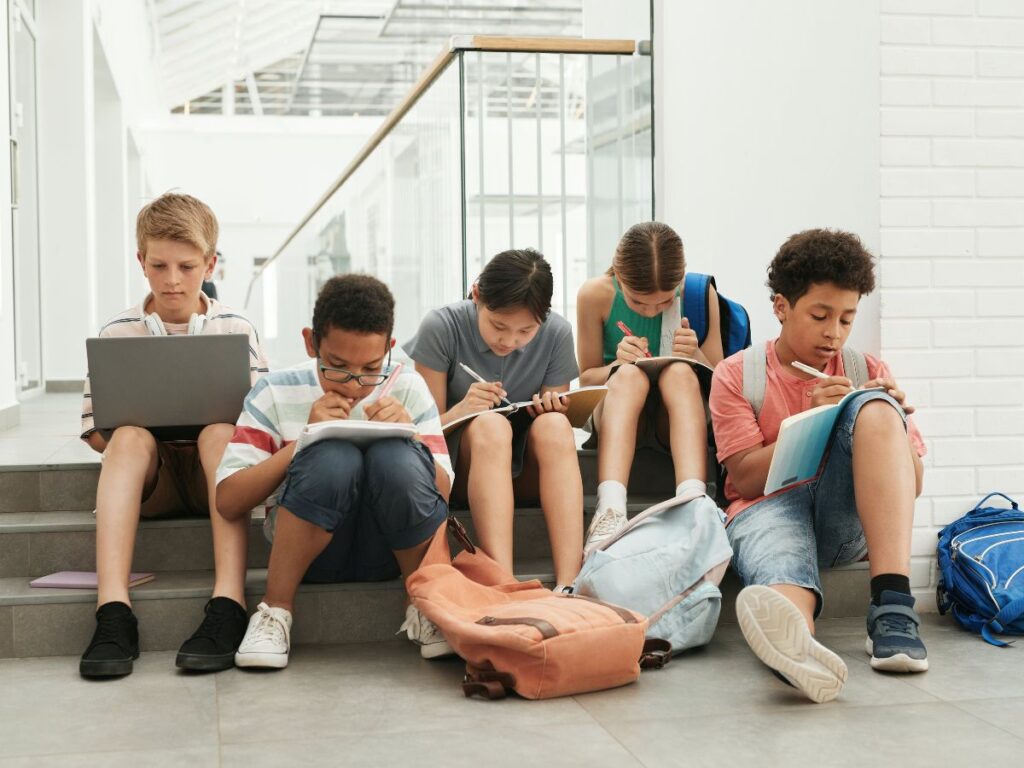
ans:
(696, 290)
(656, 654)
(755, 377)
(855, 365)
(1010, 612)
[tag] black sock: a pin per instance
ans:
(894, 582)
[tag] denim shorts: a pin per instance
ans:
(787, 537)
(373, 502)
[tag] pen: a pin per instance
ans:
(480, 378)
(625, 329)
(808, 369)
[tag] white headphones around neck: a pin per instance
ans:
(156, 325)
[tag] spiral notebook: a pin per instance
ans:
(83, 580)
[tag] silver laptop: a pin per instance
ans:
(172, 385)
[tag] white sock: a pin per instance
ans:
(691, 486)
(611, 493)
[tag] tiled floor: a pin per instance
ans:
(47, 434)
(383, 705)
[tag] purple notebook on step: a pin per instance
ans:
(82, 580)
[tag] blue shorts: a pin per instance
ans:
(374, 502)
(786, 538)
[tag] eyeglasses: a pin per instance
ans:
(341, 376)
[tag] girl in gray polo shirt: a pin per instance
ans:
(506, 333)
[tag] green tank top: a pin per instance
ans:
(638, 324)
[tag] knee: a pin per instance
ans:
(878, 416)
(213, 439)
(489, 432)
(679, 378)
(551, 432)
(133, 441)
(396, 464)
(629, 381)
(326, 470)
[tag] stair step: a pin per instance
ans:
(51, 622)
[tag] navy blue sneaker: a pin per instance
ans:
(893, 640)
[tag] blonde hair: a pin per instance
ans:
(182, 218)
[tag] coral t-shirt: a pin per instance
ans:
(786, 394)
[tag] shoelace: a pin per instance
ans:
(897, 624)
(268, 627)
(107, 632)
(420, 629)
(210, 627)
(607, 523)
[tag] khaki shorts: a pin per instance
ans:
(180, 488)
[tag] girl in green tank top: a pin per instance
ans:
(619, 318)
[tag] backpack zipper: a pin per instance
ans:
(546, 628)
(983, 525)
(1014, 532)
(998, 544)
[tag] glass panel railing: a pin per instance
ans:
(558, 158)
(504, 143)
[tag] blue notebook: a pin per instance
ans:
(802, 441)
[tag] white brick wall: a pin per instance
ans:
(952, 247)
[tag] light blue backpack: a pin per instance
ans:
(666, 563)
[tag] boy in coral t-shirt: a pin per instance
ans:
(863, 499)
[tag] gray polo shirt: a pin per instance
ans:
(451, 335)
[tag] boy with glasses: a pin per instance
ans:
(336, 512)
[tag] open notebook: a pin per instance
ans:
(582, 403)
(358, 432)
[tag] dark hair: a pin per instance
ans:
(649, 258)
(821, 256)
(359, 303)
(514, 279)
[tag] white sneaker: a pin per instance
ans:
(778, 635)
(267, 639)
(425, 634)
(605, 524)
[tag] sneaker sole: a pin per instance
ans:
(436, 651)
(899, 662)
(261, 660)
(776, 632)
(205, 663)
(106, 668)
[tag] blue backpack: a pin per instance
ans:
(981, 559)
(732, 317)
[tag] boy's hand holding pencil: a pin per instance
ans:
(330, 407)
(383, 407)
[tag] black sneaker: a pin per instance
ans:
(114, 645)
(212, 647)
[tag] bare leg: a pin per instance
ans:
(617, 423)
(296, 545)
(230, 537)
(485, 460)
(802, 598)
(551, 465)
(884, 486)
(130, 465)
(685, 421)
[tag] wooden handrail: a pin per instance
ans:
(494, 43)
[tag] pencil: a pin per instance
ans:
(625, 329)
(808, 369)
(480, 378)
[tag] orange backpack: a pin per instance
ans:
(518, 635)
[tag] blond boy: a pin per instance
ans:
(141, 476)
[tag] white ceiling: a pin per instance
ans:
(323, 57)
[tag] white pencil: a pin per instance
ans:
(480, 378)
(808, 369)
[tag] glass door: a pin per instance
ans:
(25, 198)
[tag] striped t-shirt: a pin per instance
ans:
(277, 409)
(219, 319)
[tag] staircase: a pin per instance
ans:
(47, 525)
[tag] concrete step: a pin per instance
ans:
(53, 622)
(37, 543)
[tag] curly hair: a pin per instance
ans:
(359, 303)
(517, 278)
(821, 256)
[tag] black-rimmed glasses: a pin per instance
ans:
(341, 376)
